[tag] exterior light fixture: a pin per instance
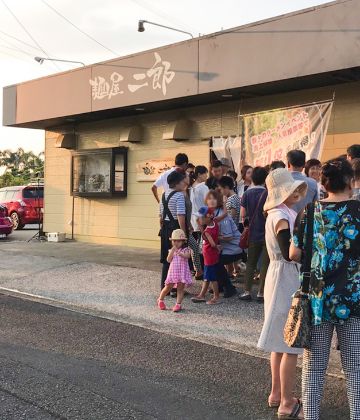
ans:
(141, 27)
(40, 60)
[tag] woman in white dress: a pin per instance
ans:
(282, 280)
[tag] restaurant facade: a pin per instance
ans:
(113, 127)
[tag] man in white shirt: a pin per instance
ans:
(198, 193)
(181, 162)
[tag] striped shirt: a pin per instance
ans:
(176, 205)
(233, 202)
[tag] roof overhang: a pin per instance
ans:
(313, 47)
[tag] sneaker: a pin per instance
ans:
(177, 308)
(245, 296)
(161, 305)
(260, 298)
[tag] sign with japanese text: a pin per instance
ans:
(150, 170)
(158, 76)
(149, 77)
(270, 135)
(136, 80)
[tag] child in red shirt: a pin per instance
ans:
(211, 251)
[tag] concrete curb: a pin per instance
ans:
(247, 350)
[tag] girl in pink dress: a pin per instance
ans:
(179, 274)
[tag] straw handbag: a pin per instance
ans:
(297, 331)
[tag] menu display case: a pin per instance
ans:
(99, 172)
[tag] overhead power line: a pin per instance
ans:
(79, 29)
(19, 40)
(159, 12)
(12, 55)
(26, 31)
(16, 49)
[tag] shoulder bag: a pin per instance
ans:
(167, 213)
(166, 210)
(297, 331)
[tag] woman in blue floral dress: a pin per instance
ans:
(334, 287)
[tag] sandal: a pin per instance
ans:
(212, 302)
(294, 415)
(197, 300)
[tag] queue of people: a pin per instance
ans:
(210, 222)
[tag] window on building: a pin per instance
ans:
(100, 172)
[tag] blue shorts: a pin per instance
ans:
(211, 272)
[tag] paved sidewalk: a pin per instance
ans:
(72, 251)
(69, 274)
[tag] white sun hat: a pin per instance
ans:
(178, 235)
(280, 185)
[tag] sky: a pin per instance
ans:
(113, 23)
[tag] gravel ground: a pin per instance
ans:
(130, 294)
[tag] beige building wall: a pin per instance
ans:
(133, 220)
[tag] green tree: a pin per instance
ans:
(20, 166)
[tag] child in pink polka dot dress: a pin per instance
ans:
(179, 274)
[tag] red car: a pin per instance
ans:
(6, 225)
(24, 204)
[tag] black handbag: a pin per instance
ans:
(297, 331)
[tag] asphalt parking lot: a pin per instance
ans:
(22, 235)
(58, 364)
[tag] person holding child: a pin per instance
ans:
(179, 274)
(229, 239)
